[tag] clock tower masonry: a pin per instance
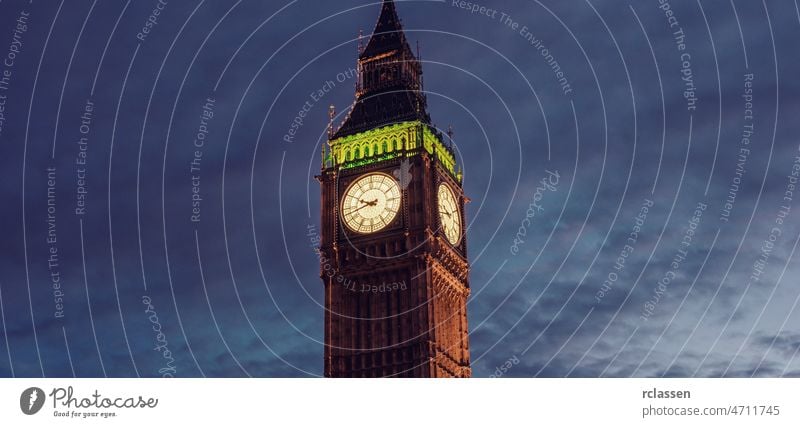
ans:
(394, 251)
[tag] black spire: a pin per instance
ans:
(388, 34)
(389, 88)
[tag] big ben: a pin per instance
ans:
(393, 242)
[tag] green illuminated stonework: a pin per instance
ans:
(389, 142)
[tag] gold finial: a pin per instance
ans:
(331, 115)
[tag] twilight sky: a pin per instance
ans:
(157, 220)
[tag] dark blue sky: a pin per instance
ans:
(660, 97)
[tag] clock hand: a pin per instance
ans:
(356, 210)
(366, 204)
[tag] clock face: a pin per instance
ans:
(449, 214)
(371, 203)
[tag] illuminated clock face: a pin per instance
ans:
(371, 203)
(449, 214)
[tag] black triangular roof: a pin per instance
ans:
(388, 34)
(392, 103)
(383, 109)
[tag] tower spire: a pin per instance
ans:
(388, 34)
(389, 87)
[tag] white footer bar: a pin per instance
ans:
(399, 402)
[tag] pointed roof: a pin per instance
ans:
(383, 109)
(388, 34)
(397, 99)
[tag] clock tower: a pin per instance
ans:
(393, 248)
